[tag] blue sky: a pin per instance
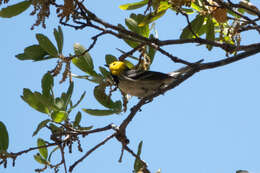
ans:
(209, 124)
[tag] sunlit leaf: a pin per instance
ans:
(132, 6)
(152, 17)
(14, 10)
(59, 116)
(43, 150)
(133, 24)
(195, 6)
(4, 137)
(47, 45)
(40, 159)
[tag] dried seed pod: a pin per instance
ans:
(220, 14)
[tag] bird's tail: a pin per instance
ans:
(182, 70)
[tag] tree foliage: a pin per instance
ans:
(210, 23)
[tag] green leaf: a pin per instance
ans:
(55, 129)
(67, 97)
(77, 120)
(84, 61)
(43, 151)
(40, 126)
(131, 43)
(152, 17)
(105, 73)
(40, 159)
(59, 116)
(151, 50)
(110, 58)
(133, 24)
(132, 6)
(98, 112)
(138, 164)
(195, 6)
(58, 34)
(14, 10)
(4, 137)
(34, 52)
(47, 85)
(195, 24)
(35, 100)
(210, 34)
(102, 98)
(47, 45)
(86, 128)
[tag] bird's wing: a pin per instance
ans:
(145, 75)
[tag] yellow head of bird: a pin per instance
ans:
(117, 67)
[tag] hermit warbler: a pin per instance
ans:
(141, 83)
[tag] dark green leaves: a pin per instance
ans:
(45, 49)
(47, 85)
(34, 52)
(98, 112)
(194, 26)
(132, 6)
(110, 59)
(67, 97)
(47, 45)
(14, 10)
(106, 101)
(210, 34)
(83, 60)
(77, 120)
(102, 98)
(58, 34)
(35, 100)
(4, 138)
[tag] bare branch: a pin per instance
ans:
(90, 151)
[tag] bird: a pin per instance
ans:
(141, 83)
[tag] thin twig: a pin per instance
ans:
(90, 151)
